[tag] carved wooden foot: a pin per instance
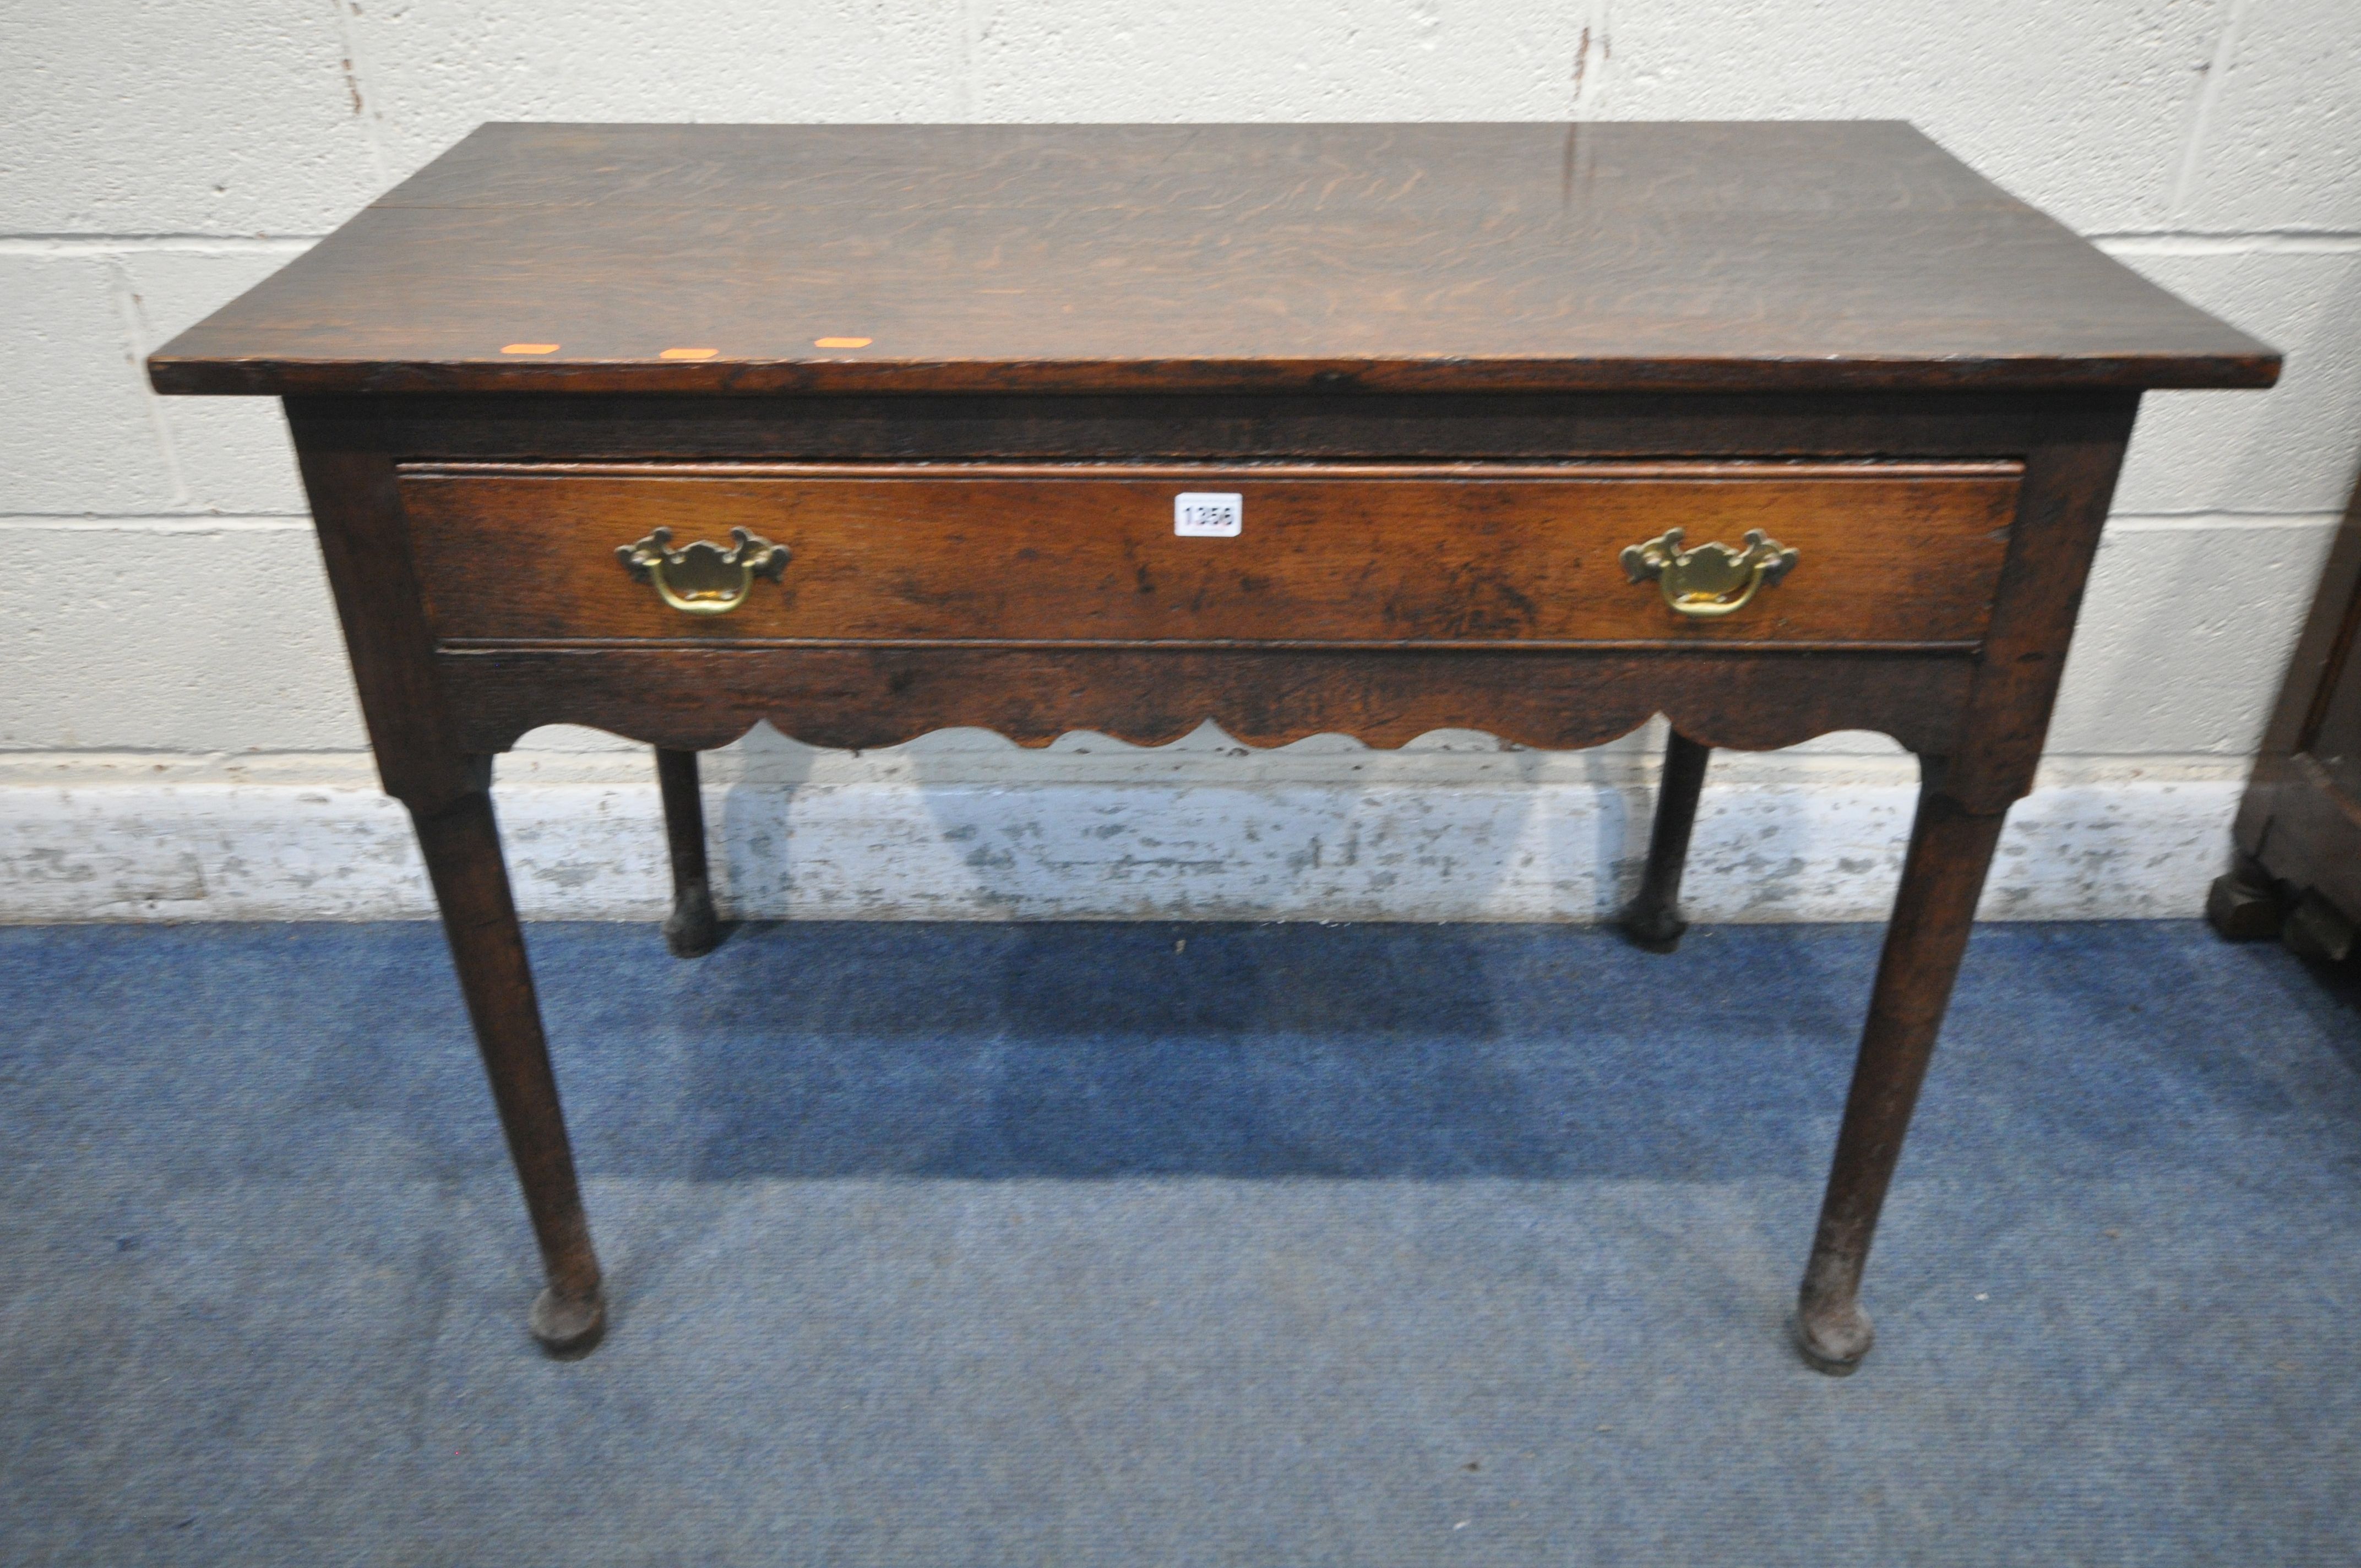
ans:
(2243, 906)
(568, 1326)
(690, 930)
(1834, 1333)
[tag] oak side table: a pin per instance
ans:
(1773, 429)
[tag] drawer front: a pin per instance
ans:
(1885, 553)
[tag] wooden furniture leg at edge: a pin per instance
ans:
(1653, 920)
(462, 846)
(1950, 851)
(2242, 905)
(690, 930)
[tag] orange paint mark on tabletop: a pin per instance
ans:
(689, 354)
(528, 349)
(842, 342)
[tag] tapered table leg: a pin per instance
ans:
(690, 929)
(1950, 850)
(461, 847)
(1653, 920)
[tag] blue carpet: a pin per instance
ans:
(1123, 1243)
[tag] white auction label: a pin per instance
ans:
(1203, 514)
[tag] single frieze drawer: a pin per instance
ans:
(1831, 553)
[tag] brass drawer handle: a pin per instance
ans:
(1712, 580)
(703, 579)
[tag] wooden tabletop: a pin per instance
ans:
(748, 258)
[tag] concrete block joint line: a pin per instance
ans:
(177, 734)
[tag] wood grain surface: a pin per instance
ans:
(717, 259)
(1901, 555)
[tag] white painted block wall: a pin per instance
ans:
(177, 734)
